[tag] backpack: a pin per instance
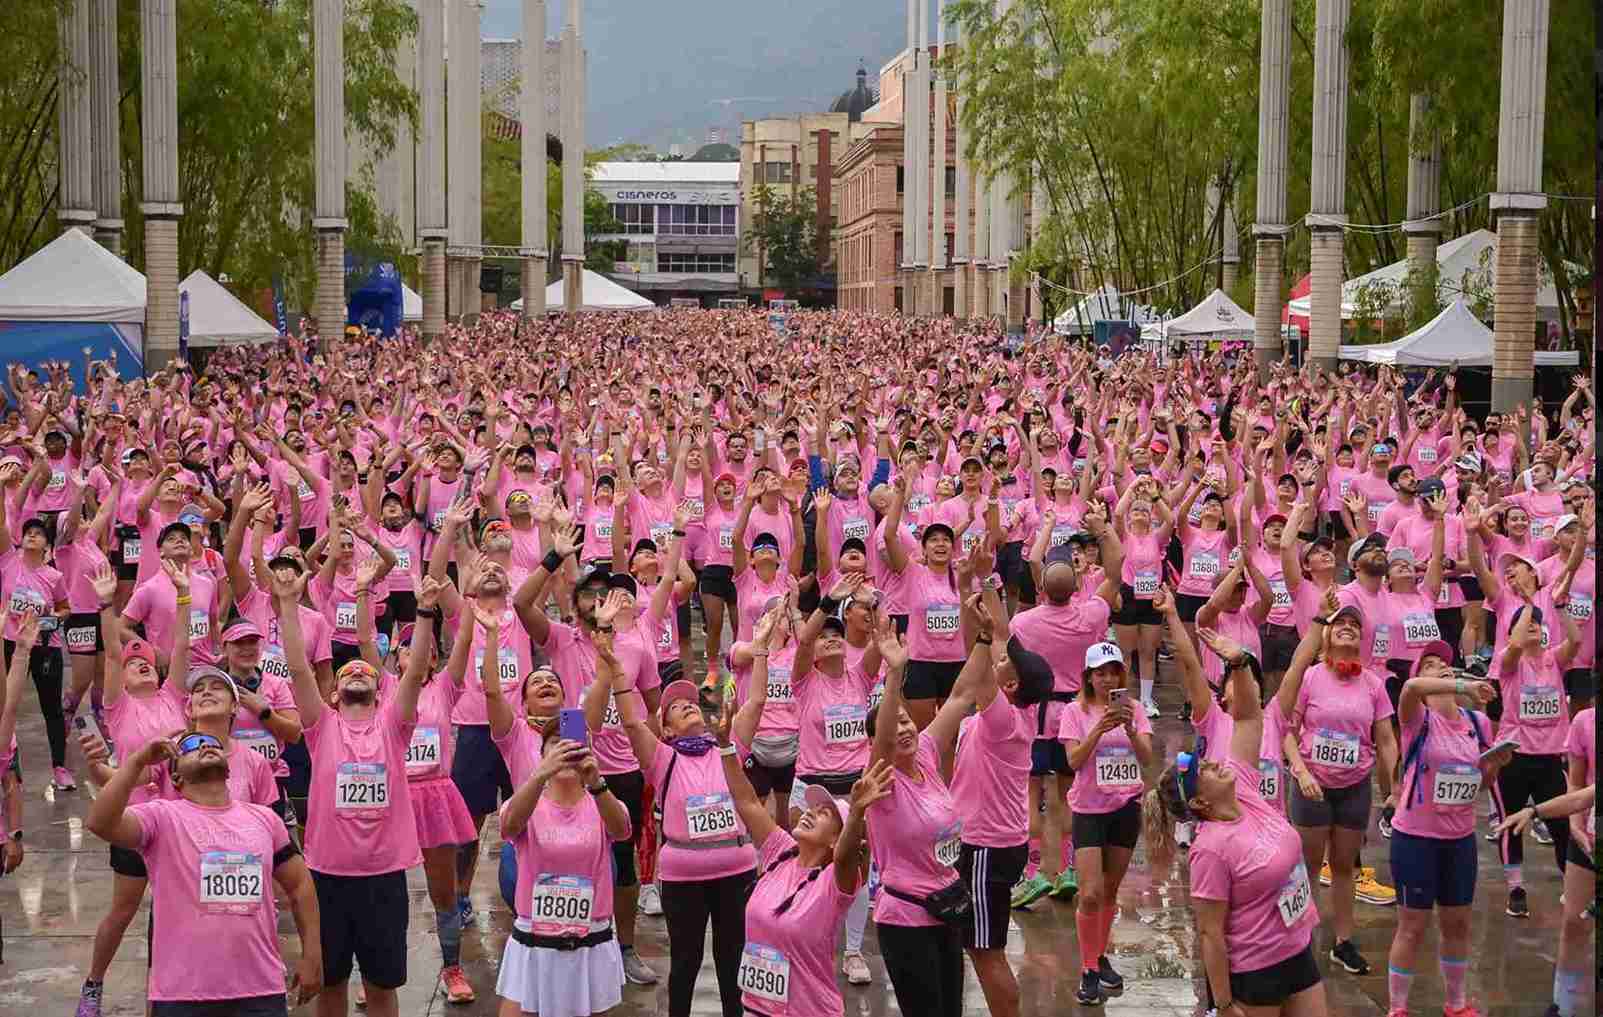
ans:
(1416, 748)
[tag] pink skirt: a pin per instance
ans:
(441, 814)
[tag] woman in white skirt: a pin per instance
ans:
(562, 959)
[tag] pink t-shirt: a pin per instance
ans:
(30, 587)
(1582, 745)
(1217, 726)
(132, 722)
(1535, 709)
(78, 562)
(1143, 564)
(564, 869)
(211, 881)
(915, 838)
(514, 659)
(831, 718)
(315, 631)
(1207, 557)
(697, 809)
(521, 750)
(407, 543)
(359, 817)
(1436, 797)
(991, 776)
(1254, 864)
(429, 752)
(1062, 634)
(1582, 602)
(779, 712)
(250, 777)
(753, 595)
(800, 941)
(1335, 720)
(155, 604)
(248, 729)
(934, 610)
(1415, 533)
(1112, 777)
(1411, 618)
(1375, 641)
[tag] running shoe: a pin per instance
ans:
(650, 900)
(359, 994)
(1324, 874)
(1164, 653)
(1068, 885)
(63, 779)
(1397, 1011)
(1517, 905)
(637, 971)
(465, 909)
(1385, 823)
(1030, 890)
(1540, 832)
(1185, 712)
(1463, 1011)
(1551, 1011)
(856, 969)
(1090, 992)
(1153, 713)
(1371, 890)
(88, 1001)
(455, 983)
(1111, 980)
(1347, 955)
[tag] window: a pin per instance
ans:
(696, 220)
(677, 262)
(635, 218)
(899, 180)
(951, 181)
(776, 173)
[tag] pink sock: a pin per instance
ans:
(1108, 913)
(1397, 983)
(1455, 972)
(1068, 853)
(1089, 926)
(1033, 864)
(1515, 874)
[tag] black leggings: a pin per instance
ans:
(44, 663)
(925, 965)
(686, 906)
(1535, 779)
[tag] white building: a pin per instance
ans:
(682, 224)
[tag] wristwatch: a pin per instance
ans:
(267, 712)
(991, 582)
(600, 788)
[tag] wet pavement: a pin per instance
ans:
(51, 906)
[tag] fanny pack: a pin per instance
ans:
(950, 904)
(775, 750)
(563, 943)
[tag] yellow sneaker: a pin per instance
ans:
(1324, 874)
(1371, 890)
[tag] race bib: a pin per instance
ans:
(1269, 780)
(1337, 750)
(949, 845)
(698, 508)
(200, 624)
(845, 724)
(274, 663)
(1375, 509)
(506, 665)
(1541, 704)
(778, 687)
(423, 752)
(1145, 585)
(303, 490)
(1456, 784)
(611, 718)
(971, 539)
(1579, 606)
(1541, 529)
(710, 817)
(665, 634)
(437, 519)
(561, 905)
(1419, 629)
(1205, 565)
(1296, 897)
(260, 741)
(361, 789)
(1380, 648)
(603, 527)
(81, 640)
(941, 620)
(24, 599)
(131, 548)
(57, 481)
(1281, 595)
(660, 533)
(1426, 453)
(855, 526)
(1117, 768)
(876, 694)
(765, 974)
(1444, 593)
(918, 503)
(231, 882)
(726, 538)
(403, 558)
(345, 616)
(1061, 535)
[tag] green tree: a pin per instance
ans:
(783, 234)
(501, 202)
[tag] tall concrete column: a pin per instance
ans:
(431, 219)
(158, 101)
(960, 228)
(462, 121)
(75, 159)
(328, 52)
(1001, 244)
(1424, 225)
(105, 94)
(1522, 111)
(980, 262)
(937, 279)
(531, 112)
(473, 170)
(572, 160)
(1327, 199)
(1232, 245)
(1269, 229)
(909, 182)
(395, 186)
(919, 118)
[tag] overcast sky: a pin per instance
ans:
(657, 68)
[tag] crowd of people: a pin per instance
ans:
(774, 634)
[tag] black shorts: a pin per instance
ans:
(401, 606)
(1015, 570)
(837, 784)
(767, 779)
(1430, 872)
(1450, 622)
(682, 620)
(1346, 807)
(1187, 606)
(1396, 675)
(363, 918)
(82, 634)
(478, 770)
(1273, 985)
(1047, 755)
(1580, 681)
(931, 679)
(1279, 646)
(990, 874)
(1338, 527)
(1577, 856)
(1120, 828)
(630, 789)
(1471, 585)
(308, 536)
(128, 863)
(1135, 612)
(253, 1006)
(718, 581)
(127, 571)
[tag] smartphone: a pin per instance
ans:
(49, 623)
(1504, 743)
(572, 727)
(1116, 696)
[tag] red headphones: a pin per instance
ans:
(1346, 668)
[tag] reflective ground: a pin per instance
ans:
(50, 908)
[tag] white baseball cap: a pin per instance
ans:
(1103, 653)
(1565, 520)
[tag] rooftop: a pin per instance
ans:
(666, 172)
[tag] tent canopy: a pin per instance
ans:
(1106, 304)
(1455, 336)
(597, 293)
(1216, 315)
(218, 318)
(411, 304)
(72, 278)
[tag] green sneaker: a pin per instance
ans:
(1068, 885)
(1028, 891)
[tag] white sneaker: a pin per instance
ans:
(650, 900)
(856, 969)
(1152, 710)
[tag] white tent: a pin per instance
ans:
(1454, 336)
(1105, 304)
(1217, 315)
(411, 304)
(72, 278)
(218, 318)
(597, 293)
(1463, 264)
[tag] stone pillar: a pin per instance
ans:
(74, 153)
(1232, 246)
(462, 119)
(531, 112)
(960, 227)
(1424, 225)
(937, 280)
(431, 218)
(328, 48)
(980, 262)
(105, 93)
(1269, 230)
(473, 168)
(158, 100)
(1522, 111)
(395, 186)
(917, 105)
(1001, 243)
(572, 160)
(1038, 205)
(1327, 199)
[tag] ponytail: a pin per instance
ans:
(1161, 808)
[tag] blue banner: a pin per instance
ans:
(278, 305)
(183, 325)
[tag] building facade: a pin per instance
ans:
(681, 222)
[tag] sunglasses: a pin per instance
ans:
(197, 741)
